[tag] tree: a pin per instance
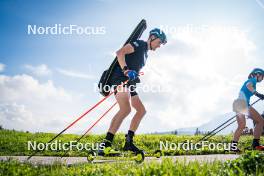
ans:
(197, 132)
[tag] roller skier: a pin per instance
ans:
(131, 58)
(246, 92)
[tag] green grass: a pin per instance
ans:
(250, 163)
(15, 143)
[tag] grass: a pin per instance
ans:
(251, 163)
(16, 143)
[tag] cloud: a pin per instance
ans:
(74, 74)
(27, 104)
(203, 71)
(40, 70)
(15, 116)
(2, 67)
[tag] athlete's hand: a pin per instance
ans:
(131, 74)
(259, 95)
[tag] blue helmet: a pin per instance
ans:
(256, 71)
(159, 34)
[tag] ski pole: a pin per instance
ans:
(97, 104)
(208, 137)
(223, 128)
(92, 126)
(140, 73)
(224, 123)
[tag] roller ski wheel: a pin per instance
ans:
(91, 156)
(139, 157)
(158, 153)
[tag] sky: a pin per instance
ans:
(48, 80)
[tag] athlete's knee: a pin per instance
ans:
(125, 110)
(241, 126)
(142, 111)
(128, 110)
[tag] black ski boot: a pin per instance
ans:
(105, 145)
(256, 145)
(234, 147)
(129, 145)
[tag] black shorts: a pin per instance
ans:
(117, 79)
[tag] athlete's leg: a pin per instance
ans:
(122, 98)
(140, 112)
(258, 120)
(241, 121)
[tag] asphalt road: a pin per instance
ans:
(47, 160)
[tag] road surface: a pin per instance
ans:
(47, 160)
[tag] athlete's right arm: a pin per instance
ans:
(127, 49)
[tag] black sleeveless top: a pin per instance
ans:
(136, 60)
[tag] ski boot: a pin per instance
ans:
(129, 146)
(106, 149)
(234, 147)
(256, 145)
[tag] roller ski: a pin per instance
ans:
(108, 153)
(114, 155)
(130, 152)
(131, 147)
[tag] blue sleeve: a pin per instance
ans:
(254, 82)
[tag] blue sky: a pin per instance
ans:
(72, 63)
